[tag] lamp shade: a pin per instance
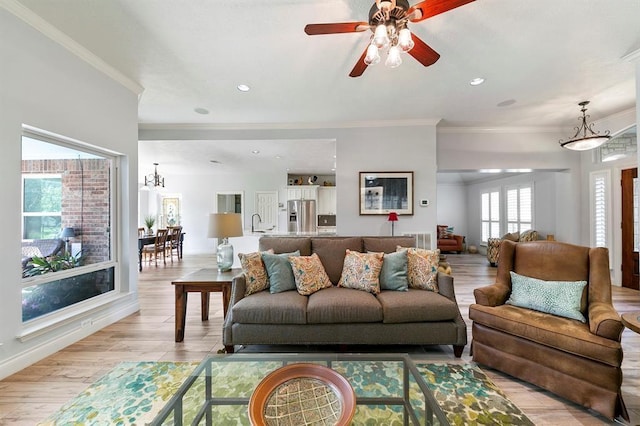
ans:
(68, 233)
(393, 217)
(224, 225)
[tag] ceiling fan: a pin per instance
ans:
(388, 21)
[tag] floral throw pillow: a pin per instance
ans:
(422, 268)
(309, 274)
(254, 272)
(361, 271)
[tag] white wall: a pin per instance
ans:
(46, 86)
(452, 207)
(469, 149)
(409, 148)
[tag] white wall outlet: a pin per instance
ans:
(424, 203)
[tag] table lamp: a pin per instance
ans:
(67, 233)
(225, 225)
(393, 217)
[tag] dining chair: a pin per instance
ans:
(140, 232)
(158, 247)
(173, 242)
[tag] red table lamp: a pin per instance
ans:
(393, 217)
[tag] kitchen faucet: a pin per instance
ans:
(259, 221)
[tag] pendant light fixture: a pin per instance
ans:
(585, 138)
(154, 180)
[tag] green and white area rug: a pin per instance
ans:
(134, 392)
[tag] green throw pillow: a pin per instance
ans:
(279, 271)
(393, 275)
(560, 298)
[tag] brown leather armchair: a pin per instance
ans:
(577, 361)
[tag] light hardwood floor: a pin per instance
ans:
(31, 395)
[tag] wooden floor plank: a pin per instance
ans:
(34, 393)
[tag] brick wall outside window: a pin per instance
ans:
(85, 201)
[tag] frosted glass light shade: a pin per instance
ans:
(380, 36)
(372, 57)
(405, 42)
(393, 57)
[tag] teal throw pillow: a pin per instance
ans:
(560, 298)
(279, 271)
(393, 275)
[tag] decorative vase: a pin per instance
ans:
(149, 232)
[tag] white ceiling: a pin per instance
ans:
(539, 59)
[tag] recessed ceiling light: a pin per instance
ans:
(278, 157)
(203, 111)
(243, 88)
(255, 151)
(476, 81)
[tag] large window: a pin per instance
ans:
(67, 235)
(490, 215)
(519, 208)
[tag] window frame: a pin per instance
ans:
(24, 214)
(58, 318)
(605, 176)
(489, 193)
(519, 225)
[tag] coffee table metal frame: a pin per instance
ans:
(433, 413)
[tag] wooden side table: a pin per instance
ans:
(202, 281)
(631, 320)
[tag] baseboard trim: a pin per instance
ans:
(32, 355)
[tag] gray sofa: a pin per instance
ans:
(339, 315)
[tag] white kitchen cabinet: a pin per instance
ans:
(302, 192)
(327, 200)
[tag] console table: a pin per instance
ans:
(202, 281)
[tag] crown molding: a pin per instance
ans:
(498, 129)
(286, 126)
(35, 21)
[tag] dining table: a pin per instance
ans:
(150, 240)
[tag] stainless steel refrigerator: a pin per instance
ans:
(302, 216)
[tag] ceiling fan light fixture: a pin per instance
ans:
(380, 36)
(393, 57)
(405, 41)
(373, 56)
(585, 138)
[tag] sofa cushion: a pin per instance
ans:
(422, 268)
(443, 232)
(386, 244)
(286, 244)
(550, 330)
(361, 271)
(416, 306)
(332, 251)
(254, 272)
(561, 298)
(309, 274)
(279, 271)
(337, 305)
(393, 274)
(288, 307)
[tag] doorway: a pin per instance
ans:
(630, 276)
(266, 205)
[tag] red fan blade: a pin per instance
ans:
(335, 28)
(428, 8)
(422, 52)
(360, 66)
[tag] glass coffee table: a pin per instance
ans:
(387, 387)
